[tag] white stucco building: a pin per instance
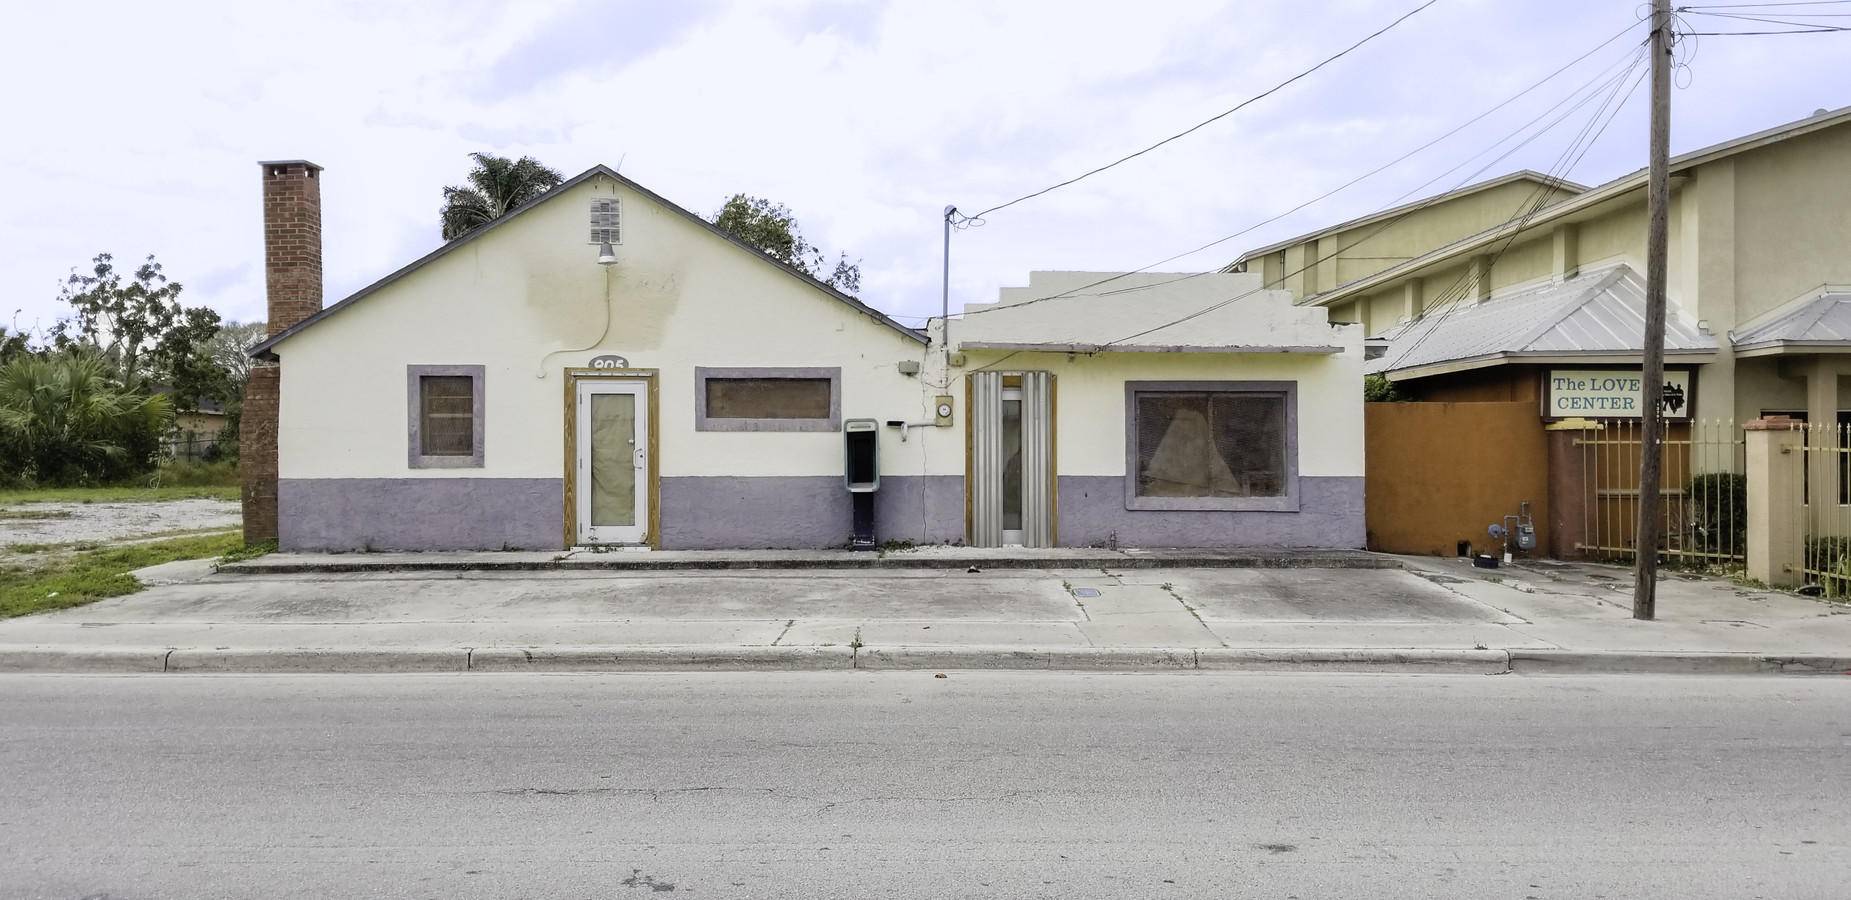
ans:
(509, 390)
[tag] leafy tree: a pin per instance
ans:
(122, 318)
(230, 349)
(773, 228)
(65, 420)
(497, 184)
(138, 323)
(12, 344)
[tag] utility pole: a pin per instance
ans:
(1651, 433)
(944, 297)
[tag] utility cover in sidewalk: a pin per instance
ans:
(1086, 592)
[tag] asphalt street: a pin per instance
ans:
(901, 784)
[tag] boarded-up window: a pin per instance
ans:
(1210, 444)
(447, 415)
(768, 398)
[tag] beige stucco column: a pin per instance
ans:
(1776, 541)
(1569, 492)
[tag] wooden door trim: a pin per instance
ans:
(653, 477)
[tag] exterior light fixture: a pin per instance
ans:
(606, 255)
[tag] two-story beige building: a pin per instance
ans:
(1329, 257)
(1759, 289)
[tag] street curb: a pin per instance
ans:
(319, 661)
(51, 660)
(650, 659)
(617, 562)
(1456, 662)
(68, 660)
(1596, 662)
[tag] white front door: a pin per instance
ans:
(613, 461)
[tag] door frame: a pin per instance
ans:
(970, 450)
(653, 476)
(1021, 502)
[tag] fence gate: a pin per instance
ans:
(1704, 504)
(1826, 520)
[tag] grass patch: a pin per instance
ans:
(119, 494)
(192, 473)
(93, 575)
(249, 551)
(45, 548)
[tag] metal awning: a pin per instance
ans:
(1819, 322)
(1596, 315)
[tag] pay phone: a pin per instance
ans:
(861, 442)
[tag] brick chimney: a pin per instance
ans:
(292, 278)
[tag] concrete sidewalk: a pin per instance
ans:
(930, 557)
(1425, 615)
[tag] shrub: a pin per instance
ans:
(1716, 511)
(195, 473)
(1378, 389)
(64, 420)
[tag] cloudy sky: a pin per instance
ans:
(136, 126)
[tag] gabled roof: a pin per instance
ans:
(265, 349)
(1599, 312)
(1434, 200)
(1816, 321)
(1601, 194)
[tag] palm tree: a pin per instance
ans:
(64, 420)
(496, 184)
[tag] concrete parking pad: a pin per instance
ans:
(591, 597)
(1433, 613)
(1309, 595)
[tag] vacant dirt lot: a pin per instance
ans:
(66, 523)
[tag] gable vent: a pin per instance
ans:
(605, 222)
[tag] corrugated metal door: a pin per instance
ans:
(1012, 459)
(1037, 459)
(986, 489)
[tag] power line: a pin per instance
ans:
(1763, 5)
(1388, 224)
(1454, 294)
(1528, 216)
(1753, 33)
(1074, 292)
(1214, 118)
(1763, 20)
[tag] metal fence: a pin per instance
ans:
(1826, 520)
(193, 446)
(1703, 493)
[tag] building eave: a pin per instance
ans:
(1595, 357)
(1790, 348)
(1454, 194)
(1039, 347)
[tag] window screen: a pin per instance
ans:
(768, 398)
(605, 225)
(1215, 444)
(447, 415)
